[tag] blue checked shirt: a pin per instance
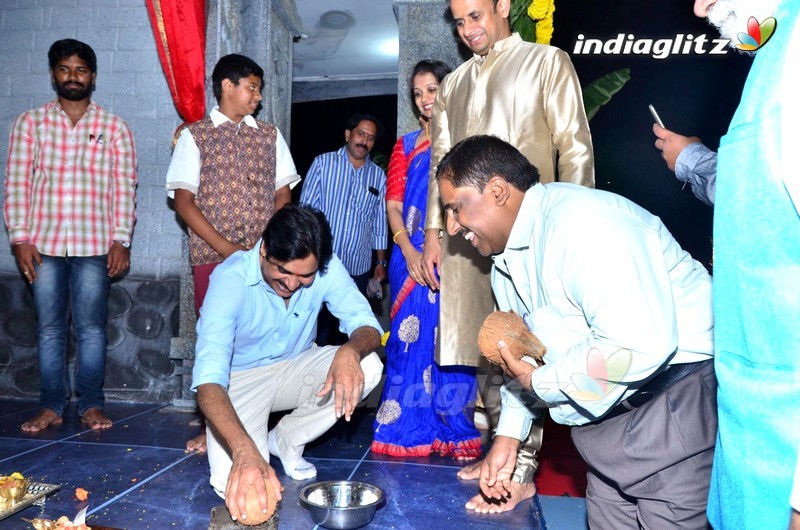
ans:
(354, 201)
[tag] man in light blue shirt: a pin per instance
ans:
(626, 317)
(255, 354)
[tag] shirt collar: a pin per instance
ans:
(252, 264)
(218, 118)
(90, 109)
(520, 236)
(500, 46)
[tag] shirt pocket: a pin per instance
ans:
(366, 200)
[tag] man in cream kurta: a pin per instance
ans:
(528, 95)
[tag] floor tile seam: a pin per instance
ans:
(74, 441)
(32, 450)
(139, 484)
(16, 412)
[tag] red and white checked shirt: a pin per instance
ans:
(70, 190)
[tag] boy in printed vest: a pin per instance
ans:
(228, 174)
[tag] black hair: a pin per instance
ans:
(233, 67)
(353, 121)
(298, 231)
(475, 160)
(61, 49)
(429, 66)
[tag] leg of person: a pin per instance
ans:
(201, 275)
(89, 286)
(311, 416)
(50, 299)
(490, 379)
(252, 394)
(522, 485)
(657, 456)
(454, 392)
(676, 497)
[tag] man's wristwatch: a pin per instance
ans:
(381, 262)
(125, 244)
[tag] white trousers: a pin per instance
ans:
(286, 385)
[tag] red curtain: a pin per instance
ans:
(179, 27)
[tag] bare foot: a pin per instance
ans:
(95, 419)
(519, 493)
(43, 420)
(470, 472)
(197, 444)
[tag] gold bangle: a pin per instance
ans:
(394, 237)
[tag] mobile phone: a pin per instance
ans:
(655, 115)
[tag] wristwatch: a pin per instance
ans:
(125, 244)
(381, 262)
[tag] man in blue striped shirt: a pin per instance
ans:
(350, 190)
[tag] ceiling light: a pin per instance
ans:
(335, 19)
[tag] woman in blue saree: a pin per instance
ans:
(425, 408)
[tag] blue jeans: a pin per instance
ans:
(78, 286)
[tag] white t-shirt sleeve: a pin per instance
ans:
(285, 170)
(184, 168)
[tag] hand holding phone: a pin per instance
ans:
(656, 116)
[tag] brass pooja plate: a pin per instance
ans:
(35, 494)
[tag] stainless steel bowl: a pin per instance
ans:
(342, 504)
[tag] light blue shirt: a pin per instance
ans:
(697, 165)
(610, 293)
(354, 201)
(245, 324)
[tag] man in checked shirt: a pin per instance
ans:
(69, 210)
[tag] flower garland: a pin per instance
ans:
(541, 11)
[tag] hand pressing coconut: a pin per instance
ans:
(253, 489)
(255, 512)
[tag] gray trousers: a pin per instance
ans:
(651, 468)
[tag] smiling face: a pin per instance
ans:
(240, 99)
(73, 79)
(286, 278)
(360, 141)
(476, 216)
(481, 23)
(425, 88)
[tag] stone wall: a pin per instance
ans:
(438, 41)
(152, 304)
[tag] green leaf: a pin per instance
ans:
(521, 22)
(599, 92)
(519, 9)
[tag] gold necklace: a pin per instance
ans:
(427, 128)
